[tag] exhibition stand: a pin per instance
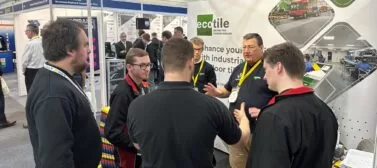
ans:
(109, 18)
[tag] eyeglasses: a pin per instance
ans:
(144, 66)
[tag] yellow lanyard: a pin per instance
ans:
(35, 37)
(197, 75)
(244, 76)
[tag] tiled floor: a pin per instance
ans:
(15, 147)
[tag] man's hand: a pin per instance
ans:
(254, 112)
(211, 90)
(240, 113)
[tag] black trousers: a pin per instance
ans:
(29, 77)
(3, 119)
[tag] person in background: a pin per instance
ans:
(308, 64)
(178, 32)
(33, 55)
(62, 128)
(204, 72)
(245, 84)
(122, 46)
(154, 52)
(175, 126)
(33, 58)
(142, 44)
(166, 35)
(116, 131)
(4, 123)
(296, 129)
(138, 39)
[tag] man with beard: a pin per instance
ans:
(245, 84)
(62, 128)
(138, 67)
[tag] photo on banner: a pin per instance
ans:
(298, 21)
(353, 58)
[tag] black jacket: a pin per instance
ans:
(295, 130)
(62, 127)
(138, 43)
(154, 51)
(115, 127)
(119, 46)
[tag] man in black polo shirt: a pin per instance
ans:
(175, 126)
(204, 72)
(245, 84)
(62, 127)
(296, 129)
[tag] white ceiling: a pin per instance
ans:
(345, 38)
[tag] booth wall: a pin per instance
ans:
(223, 44)
(20, 23)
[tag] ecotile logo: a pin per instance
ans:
(204, 27)
(207, 25)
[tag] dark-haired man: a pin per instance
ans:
(62, 127)
(296, 129)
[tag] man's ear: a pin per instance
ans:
(71, 53)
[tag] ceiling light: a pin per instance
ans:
(350, 45)
(330, 44)
(329, 37)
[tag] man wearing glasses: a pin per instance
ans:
(245, 84)
(138, 67)
(33, 58)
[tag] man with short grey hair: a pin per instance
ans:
(123, 46)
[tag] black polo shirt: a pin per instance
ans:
(254, 90)
(206, 75)
(176, 126)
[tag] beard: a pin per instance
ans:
(77, 66)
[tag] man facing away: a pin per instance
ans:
(204, 72)
(175, 126)
(154, 51)
(62, 127)
(123, 46)
(138, 67)
(296, 129)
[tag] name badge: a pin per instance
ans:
(196, 89)
(233, 95)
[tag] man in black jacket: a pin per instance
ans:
(296, 129)
(116, 131)
(154, 51)
(62, 127)
(122, 46)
